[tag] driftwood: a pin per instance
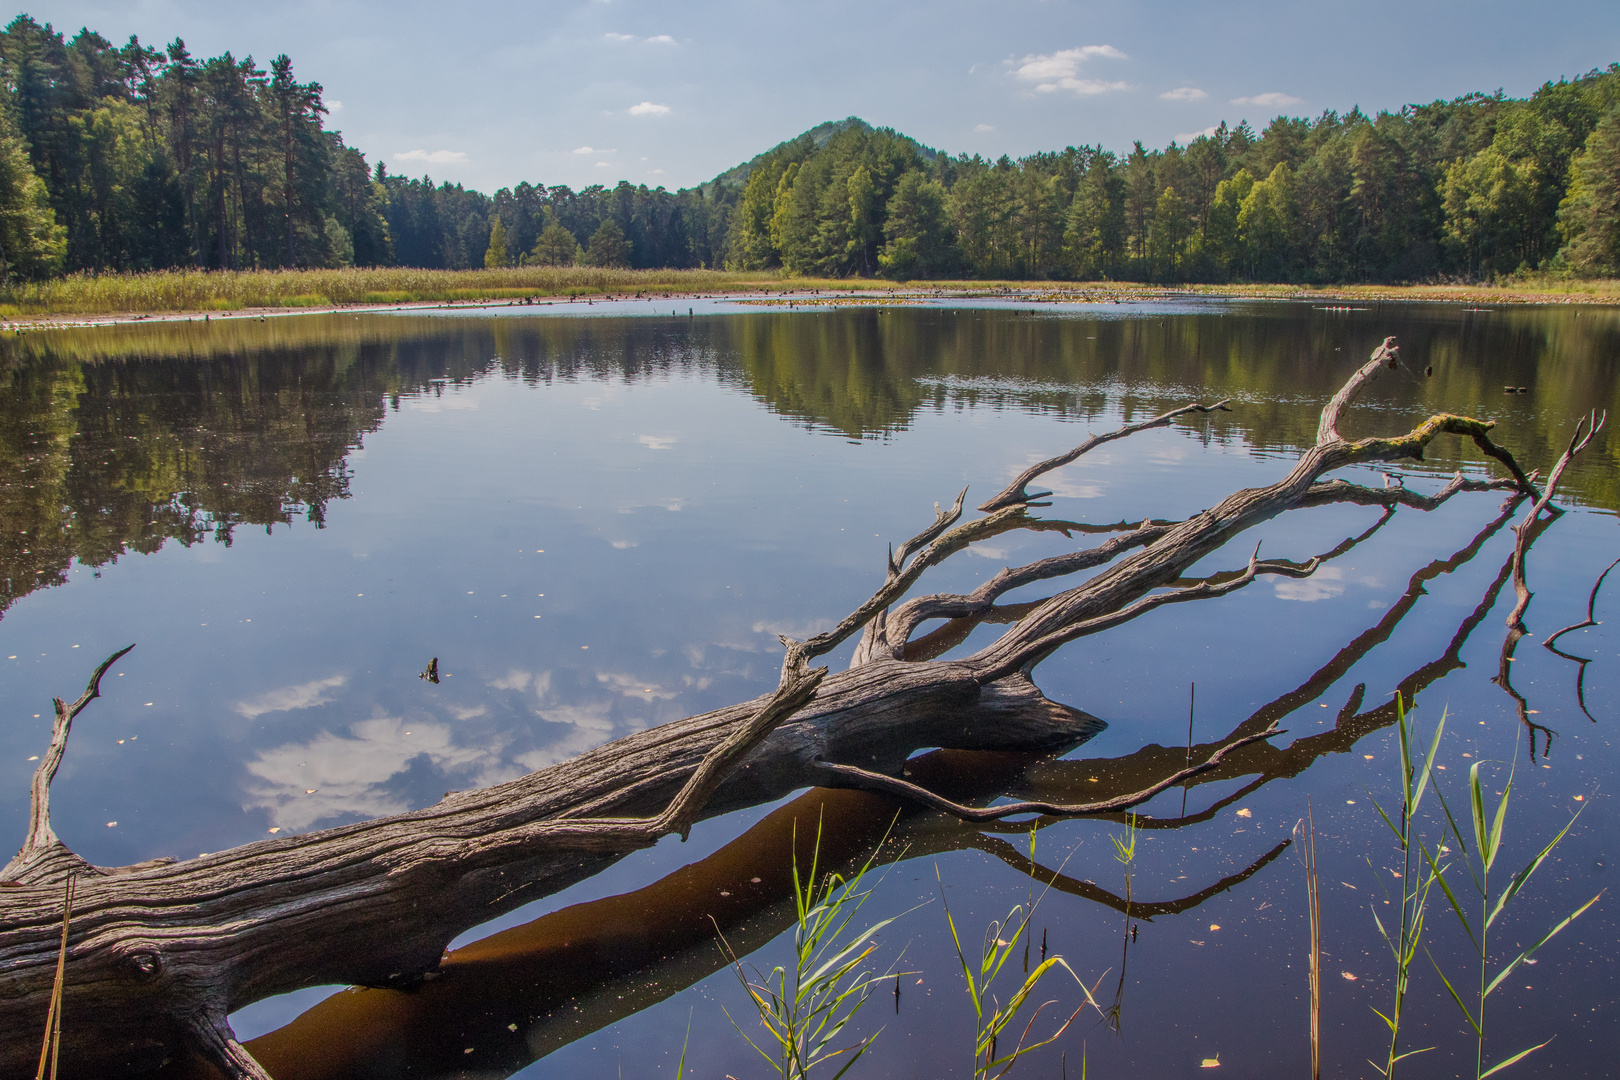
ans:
(519, 994)
(158, 954)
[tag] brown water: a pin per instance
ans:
(292, 516)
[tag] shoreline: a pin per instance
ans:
(862, 294)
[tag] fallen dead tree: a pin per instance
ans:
(502, 1002)
(158, 954)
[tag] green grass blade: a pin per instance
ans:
(1520, 1056)
(1383, 815)
(680, 1066)
(1456, 832)
(1428, 765)
(1523, 876)
(1494, 841)
(1445, 887)
(1454, 995)
(1531, 951)
(1406, 751)
(1476, 799)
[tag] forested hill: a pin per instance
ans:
(127, 158)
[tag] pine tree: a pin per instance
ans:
(608, 246)
(555, 247)
(496, 256)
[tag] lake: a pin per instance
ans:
(599, 518)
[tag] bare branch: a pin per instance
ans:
(903, 622)
(41, 838)
(873, 637)
(214, 1039)
(1327, 431)
(1015, 495)
(1343, 491)
(1033, 651)
(876, 781)
(943, 519)
(1585, 430)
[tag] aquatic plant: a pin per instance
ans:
(804, 1010)
(991, 1017)
(1305, 833)
(207, 290)
(1414, 891)
(1487, 837)
(1486, 833)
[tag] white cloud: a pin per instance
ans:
(584, 149)
(648, 108)
(1194, 135)
(1269, 99)
(1061, 484)
(335, 775)
(333, 105)
(658, 172)
(800, 631)
(617, 38)
(660, 39)
(626, 545)
(1327, 582)
(436, 157)
(656, 442)
(603, 165)
(517, 679)
(303, 696)
(984, 127)
(1061, 70)
(643, 689)
(1184, 93)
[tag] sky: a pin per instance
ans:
(493, 92)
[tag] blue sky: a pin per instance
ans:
(491, 92)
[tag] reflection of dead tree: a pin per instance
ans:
(1582, 661)
(575, 971)
(1525, 534)
(1585, 431)
(161, 954)
(1058, 781)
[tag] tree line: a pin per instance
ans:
(129, 158)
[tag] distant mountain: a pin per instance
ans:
(734, 178)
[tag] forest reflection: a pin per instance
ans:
(123, 438)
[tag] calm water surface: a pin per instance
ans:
(599, 524)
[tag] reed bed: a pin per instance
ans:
(203, 290)
(171, 291)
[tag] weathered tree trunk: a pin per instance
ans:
(159, 954)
